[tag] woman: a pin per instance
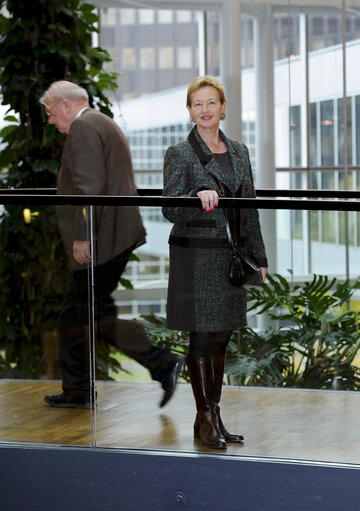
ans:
(200, 299)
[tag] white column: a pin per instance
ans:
(264, 121)
(230, 65)
(264, 76)
(265, 131)
(305, 135)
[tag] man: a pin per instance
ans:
(96, 160)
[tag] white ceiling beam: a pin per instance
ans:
(214, 5)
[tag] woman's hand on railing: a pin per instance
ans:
(209, 199)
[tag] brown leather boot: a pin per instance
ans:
(208, 430)
(219, 366)
(218, 363)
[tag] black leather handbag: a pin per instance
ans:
(244, 271)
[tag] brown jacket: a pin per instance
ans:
(96, 160)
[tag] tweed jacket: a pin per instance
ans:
(96, 160)
(185, 175)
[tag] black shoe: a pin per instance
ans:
(169, 382)
(65, 401)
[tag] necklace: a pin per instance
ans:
(214, 144)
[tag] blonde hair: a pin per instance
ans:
(205, 81)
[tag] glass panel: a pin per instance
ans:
(327, 132)
(164, 16)
(347, 223)
(313, 135)
(340, 116)
(314, 225)
(308, 337)
(357, 128)
(35, 275)
(305, 340)
(295, 135)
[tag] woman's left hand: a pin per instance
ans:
(264, 271)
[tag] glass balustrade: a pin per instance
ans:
(294, 367)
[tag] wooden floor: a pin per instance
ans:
(277, 423)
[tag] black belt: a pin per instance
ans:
(182, 241)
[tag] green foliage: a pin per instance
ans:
(40, 42)
(312, 342)
(161, 336)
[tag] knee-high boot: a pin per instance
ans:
(200, 371)
(218, 365)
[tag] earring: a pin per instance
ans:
(222, 117)
(191, 119)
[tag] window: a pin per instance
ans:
(329, 226)
(128, 58)
(327, 132)
(184, 57)
(297, 224)
(313, 135)
(340, 117)
(295, 135)
(328, 181)
(164, 16)
(314, 225)
(127, 16)
(147, 58)
(357, 128)
(146, 16)
(183, 17)
(166, 57)
(109, 17)
(351, 219)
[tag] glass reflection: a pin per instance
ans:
(34, 275)
(306, 339)
(302, 334)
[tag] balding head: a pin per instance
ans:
(62, 101)
(65, 90)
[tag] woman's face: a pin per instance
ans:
(206, 108)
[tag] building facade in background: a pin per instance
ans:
(158, 52)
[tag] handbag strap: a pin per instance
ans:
(228, 230)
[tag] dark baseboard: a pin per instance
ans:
(42, 478)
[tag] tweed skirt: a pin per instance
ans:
(200, 298)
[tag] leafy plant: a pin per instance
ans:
(258, 358)
(40, 42)
(175, 340)
(312, 343)
(313, 346)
